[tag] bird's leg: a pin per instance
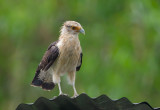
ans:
(75, 92)
(60, 91)
(72, 77)
(57, 80)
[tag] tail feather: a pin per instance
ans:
(44, 80)
(48, 86)
(44, 85)
(37, 82)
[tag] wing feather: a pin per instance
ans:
(48, 59)
(80, 62)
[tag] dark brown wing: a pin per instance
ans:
(48, 59)
(80, 62)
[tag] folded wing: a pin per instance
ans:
(42, 77)
(79, 62)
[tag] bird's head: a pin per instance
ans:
(72, 27)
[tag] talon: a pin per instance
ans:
(63, 94)
(75, 95)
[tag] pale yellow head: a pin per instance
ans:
(72, 27)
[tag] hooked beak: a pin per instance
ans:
(82, 31)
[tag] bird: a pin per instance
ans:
(63, 56)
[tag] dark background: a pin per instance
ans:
(121, 48)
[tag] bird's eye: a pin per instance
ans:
(68, 26)
(73, 28)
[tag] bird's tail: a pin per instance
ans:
(44, 80)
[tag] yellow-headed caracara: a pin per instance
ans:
(62, 56)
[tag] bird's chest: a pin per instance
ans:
(69, 53)
(70, 48)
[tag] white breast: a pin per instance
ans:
(69, 55)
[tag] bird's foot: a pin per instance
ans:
(75, 95)
(59, 95)
(63, 94)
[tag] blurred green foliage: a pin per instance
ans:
(121, 48)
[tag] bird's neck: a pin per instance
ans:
(68, 37)
(68, 40)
